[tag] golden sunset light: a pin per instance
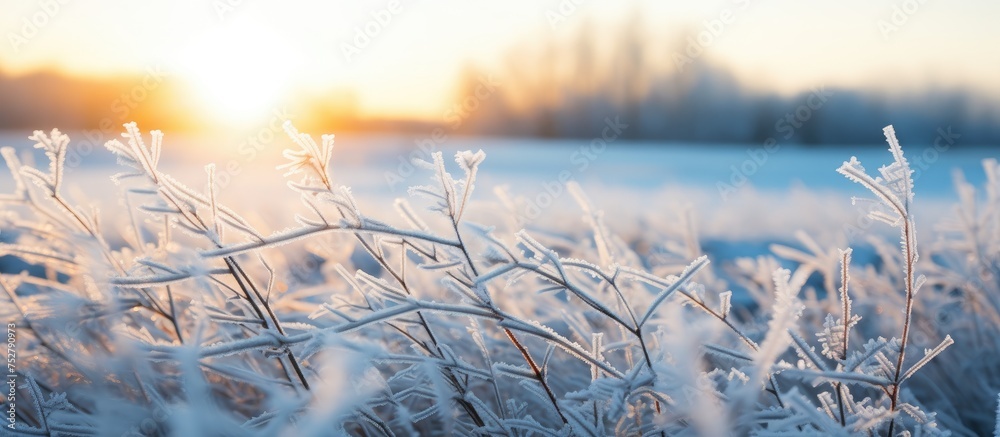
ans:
(241, 71)
(242, 58)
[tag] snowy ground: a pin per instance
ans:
(741, 198)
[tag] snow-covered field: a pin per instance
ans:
(794, 187)
(736, 212)
(583, 290)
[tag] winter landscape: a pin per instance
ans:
(268, 227)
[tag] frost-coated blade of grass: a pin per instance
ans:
(678, 282)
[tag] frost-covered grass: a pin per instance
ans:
(176, 316)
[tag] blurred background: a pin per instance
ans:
(710, 71)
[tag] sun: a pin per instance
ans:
(239, 72)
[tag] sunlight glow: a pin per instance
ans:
(239, 72)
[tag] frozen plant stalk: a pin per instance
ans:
(894, 188)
